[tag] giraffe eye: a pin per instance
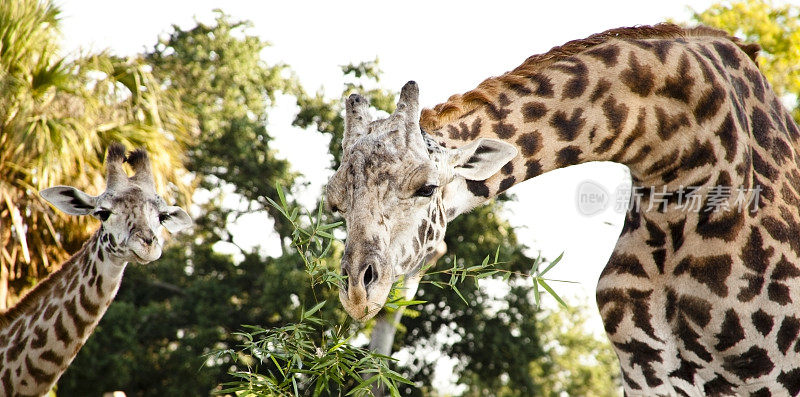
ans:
(162, 217)
(425, 191)
(102, 214)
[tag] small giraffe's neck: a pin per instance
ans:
(649, 103)
(42, 334)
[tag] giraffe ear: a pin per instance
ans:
(175, 219)
(479, 160)
(69, 200)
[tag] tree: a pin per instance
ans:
(776, 28)
(222, 80)
(57, 116)
(575, 362)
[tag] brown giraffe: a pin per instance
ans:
(41, 335)
(695, 302)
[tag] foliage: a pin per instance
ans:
(222, 80)
(57, 116)
(311, 356)
(575, 362)
(776, 28)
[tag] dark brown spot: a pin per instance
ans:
(728, 54)
(544, 87)
(680, 85)
(669, 124)
(791, 381)
(753, 363)
(727, 134)
(676, 233)
(638, 77)
(568, 156)
(530, 143)
(478, 188)
(756, 82)
(784, 270)
(711, 271)
(601, 88)
(575, 86)
(507, 183)
(787, 333)
(533, 111)
(709, 104)
(608, 54)
(731, 331)
(779, 293)
(464, 132)
(763, 322)
(504, 130)
(567, 127)
(532, 169)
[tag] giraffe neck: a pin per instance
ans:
(659, 106)
(687, 295)
(42, 334)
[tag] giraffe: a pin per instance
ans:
(42, 334)
(694, 301)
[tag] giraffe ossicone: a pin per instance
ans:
(42, 334)
(700, 299)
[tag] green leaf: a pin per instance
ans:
(311, 311)
(553, 263)
(553, 293)
(455, 289)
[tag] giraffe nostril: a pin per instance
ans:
(369, 276)
(345, 280)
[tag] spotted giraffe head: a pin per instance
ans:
(396, 189)
(131, 211)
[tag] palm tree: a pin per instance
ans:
(57, 115)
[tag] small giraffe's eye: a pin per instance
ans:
(425, 191)
(163, 216)
(102, 214)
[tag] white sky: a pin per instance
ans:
(448, 47)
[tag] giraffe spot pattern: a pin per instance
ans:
(731, 331)
(711, 271)
(575, 86)
(567, 127)
(608, 54)
(678, 86)
(530, 143)
(753, 363)
(533, 111)
(639, 78)
(669, 124)
(600, 89)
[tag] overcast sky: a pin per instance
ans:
(448, 47)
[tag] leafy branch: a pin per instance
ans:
(488, 268)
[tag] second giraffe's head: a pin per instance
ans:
(397, 189)
(131, 211)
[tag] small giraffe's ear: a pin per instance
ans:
(175, 219)
(479, 160)
(69, 200)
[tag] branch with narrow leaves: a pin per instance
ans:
(488, 268)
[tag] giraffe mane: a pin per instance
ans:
(487, 91)
(33, 297)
